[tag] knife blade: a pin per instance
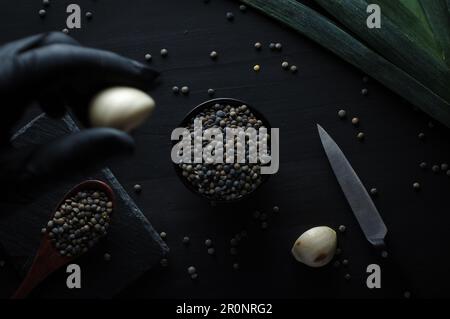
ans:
(357, 196)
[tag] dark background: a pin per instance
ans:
(305, 188)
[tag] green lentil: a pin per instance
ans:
(185, 90)
(342, 114)
(191, 270)
(213, 55)
(360, 136)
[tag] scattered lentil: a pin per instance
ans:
(360, 136)
(264, 225)
(194, 276)
(423, 165)
(42, 13)
(345, 262)
(384, 254)
(293, 68)
(276, 209)
(185, 90)
(191, 270)
(365, 79)
(65, 31)
(285, 65)
(416, 185)
(355, 121)
(430, 124)
(163, 235)
(107, 257)
(137, 188)
(230, 16)
(448, 173)
(164, 53)
(175, 90)
(272, 46)
(89, 15)
(435, 168)
(258, 45)
(338, 251)
(208, 243)
(278, 46)
(213, 55)
(233, 251)
(186, 240)
(46, 3)
(211, 251)
(148, 57)
(365, 92)
(407, 295)
(243, 8)
(236, 266)
(373, 191)
(211, 92)
(256, 214)
(256, 67)
(342, 114)
(347, 277)
(421, 135)
(234, 242)
(337, 264)
(342, 228)
(444, 166)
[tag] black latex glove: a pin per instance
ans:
(54, 70)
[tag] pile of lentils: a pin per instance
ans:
(227, 181)
(80, 222)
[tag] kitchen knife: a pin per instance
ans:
(360, 202)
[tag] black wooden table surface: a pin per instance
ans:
(305, 188)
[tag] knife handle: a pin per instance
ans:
(380, 245)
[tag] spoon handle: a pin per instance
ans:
(47, 260)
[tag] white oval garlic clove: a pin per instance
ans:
(315, 247)
(124, 108)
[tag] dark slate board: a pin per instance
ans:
(132, 242)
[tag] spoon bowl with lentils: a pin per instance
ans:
(80, 220)
(224, 182)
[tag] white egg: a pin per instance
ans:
(124, 108)
(315, 247)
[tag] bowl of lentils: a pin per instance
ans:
(224, 182)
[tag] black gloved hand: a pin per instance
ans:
(54, 70)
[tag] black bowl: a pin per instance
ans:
(193, 113)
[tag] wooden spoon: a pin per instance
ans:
(48, 259)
